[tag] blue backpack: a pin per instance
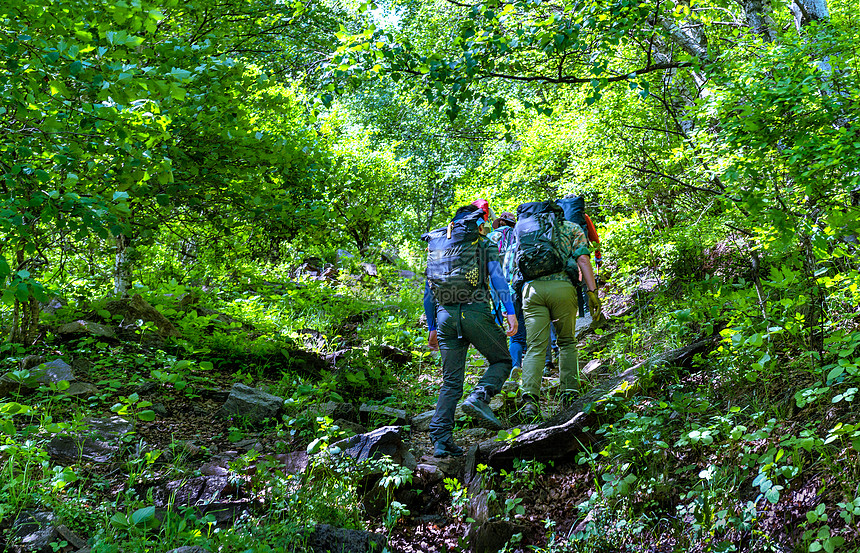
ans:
(456, 268)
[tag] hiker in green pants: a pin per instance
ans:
(549, 295)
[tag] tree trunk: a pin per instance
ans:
(565, 433)
(122, 266)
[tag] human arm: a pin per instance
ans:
(430, 314)
(500, 285)
(587, 272)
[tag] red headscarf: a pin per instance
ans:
(485, 207)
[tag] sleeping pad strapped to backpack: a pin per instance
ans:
(538, 245)
(574, 210)
(456, 264)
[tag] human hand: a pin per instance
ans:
(594, 306)
(512, 325)
(433, 341)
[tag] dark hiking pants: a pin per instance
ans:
(459, 326)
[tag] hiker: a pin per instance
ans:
(503, 237)
(552, 253)
(505, 241)
(461, 265)
(574, 211)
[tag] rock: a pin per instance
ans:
(350, 426)
(53, 306)
(252, 404)
(81, 389)
(491, 537)
(387, 440)
(136, 308)
(370, 269)
(199, 490)
(395, 355)
(382, 413)
(481, 509)
(421, 422)
(41, 373)
(189, 549)
(248, 444)
(336, 410)
(86, 327)
(446, 467)
(98, 442)
(215, 469)
(73, 539)
(53, 372)
(34, 532)
(293, 463)
(406, 274)
(328, 539)
(146, 388)
(343, 254)
(30, 361)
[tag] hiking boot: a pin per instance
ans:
(531, 409)
(447, 449)
(549, 368)
(476, 407)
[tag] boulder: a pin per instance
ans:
(395, 355)
(30, 361)
(492, 536)
(53, 372)
(136, 308)
(387, 440)
(350, 426)
(34, 532)
(421, 422)
(339, 410)
(81, 389)
(369, 413)
(98, 442)
(80, 328)
(252, 404)
(328, 539)
(370, 269)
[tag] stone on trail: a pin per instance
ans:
(34, 532)
(328, 539)
(421, 422)
(387, 440)
(491, 537)
(97, 442)
(41, 373)
(86, 327)
(252, 404)
(382, 413)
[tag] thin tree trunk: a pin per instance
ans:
(122, 267)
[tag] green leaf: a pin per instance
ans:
(147, 416)
(120, 521)
(143, 516)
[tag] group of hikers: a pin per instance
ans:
(533, 267)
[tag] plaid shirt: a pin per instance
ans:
(573, 241)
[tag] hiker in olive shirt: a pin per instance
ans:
(553, 299)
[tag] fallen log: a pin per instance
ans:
(566, 432)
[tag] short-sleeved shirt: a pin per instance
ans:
(574, 242)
